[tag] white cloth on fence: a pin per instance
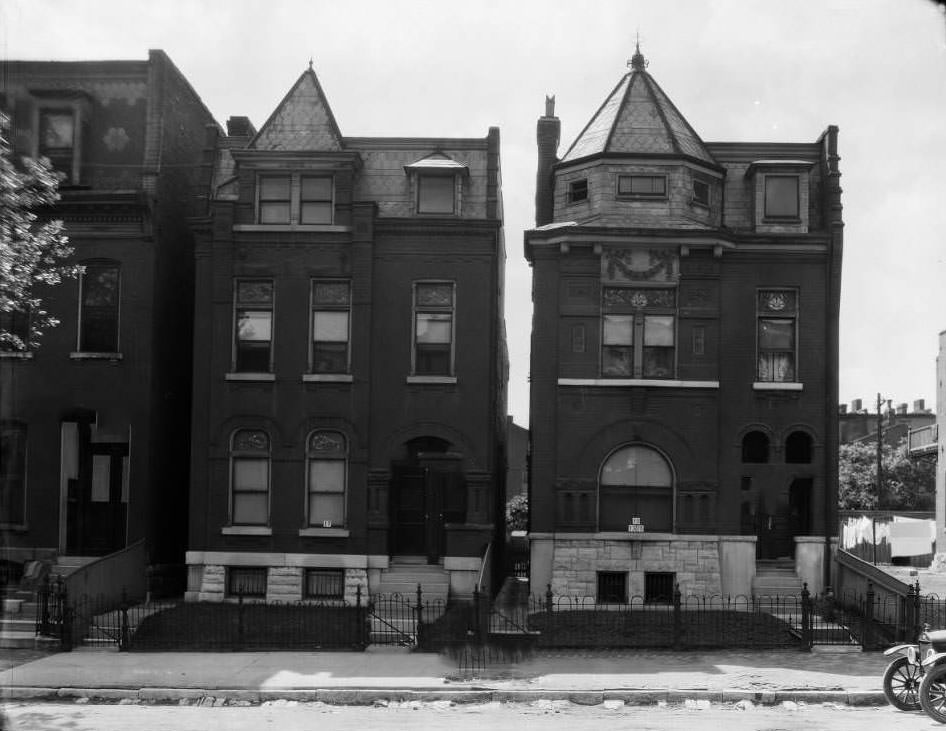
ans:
(911, 536)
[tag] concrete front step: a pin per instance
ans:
(17, 625)
(17, 640)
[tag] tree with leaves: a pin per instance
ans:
(908, 483)
(33, 252)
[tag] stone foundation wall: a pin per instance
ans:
(575, 564)
(208, 583)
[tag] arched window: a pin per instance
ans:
(755, 447)
(636, 482)
(327, 477)
(798, 448)
(249, 477)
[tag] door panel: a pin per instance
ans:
(409, 515)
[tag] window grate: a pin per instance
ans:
(658, 587)
(325, 583)
(247, 582)
(612, 587)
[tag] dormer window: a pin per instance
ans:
(436, 194)
(295, 199)
(436, 185)
(642, 186)
(701, 192)
(781, 196)
(58, 137)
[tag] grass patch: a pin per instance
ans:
(226, 626)
(655, 628)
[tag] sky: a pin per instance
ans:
(738, 70)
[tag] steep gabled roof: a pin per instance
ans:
(303, 120)
(638, 118)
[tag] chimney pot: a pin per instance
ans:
(919, 406)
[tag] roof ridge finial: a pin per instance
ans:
(638, 62)
(311, 61)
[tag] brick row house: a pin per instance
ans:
(684, 419)
(350, 370)
(93, 423)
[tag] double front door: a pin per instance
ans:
(424, 498)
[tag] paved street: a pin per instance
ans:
(545, 715)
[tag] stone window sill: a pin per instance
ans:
(650, 382)
(259, 377)
(777, 386)
(77, 355)
(432, 379)
(246, 530)
(324, 533)
(328, 227)
(327, 378)
(16, 354)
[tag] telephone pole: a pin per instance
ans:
(880, 468)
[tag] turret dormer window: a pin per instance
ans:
(578, 190)
(436, 194)
(437, 185)
(701, 192)
(642, 186)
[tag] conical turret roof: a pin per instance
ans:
(638, 118)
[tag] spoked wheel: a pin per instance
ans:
(933, 693)
(902, 684)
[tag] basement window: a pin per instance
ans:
(325, 583)
(658, 587)
(246, 582)
(612, 587)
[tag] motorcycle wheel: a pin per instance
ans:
(902, 685)
(933, 693)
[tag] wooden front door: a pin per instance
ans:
(417, 513)
(96, 510)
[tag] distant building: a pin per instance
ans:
(94, 423)
(517, 458)
(684, 355)
(859, 424)
(350, 381)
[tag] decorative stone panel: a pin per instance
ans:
(213, 585)
(355, 578)
(576, 563)
(283, 584)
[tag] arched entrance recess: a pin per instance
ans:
(636, 481)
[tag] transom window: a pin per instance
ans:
(331, 325)
(635, 482)
(433, 328)
(638, 332)
(57, 139)
(327, 457)
(99, 296)
(436, 194)
(253, 325)
(781, 196)
(649, 186)
(295, 198)
(249, 486)
(777, 316)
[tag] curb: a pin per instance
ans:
(370, 696)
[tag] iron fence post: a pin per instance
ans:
(42, 622)
(240, 628)
(867, 642)
(677, 619)
(916, 611)
(364, 633)
(66, 615)
(806, 633)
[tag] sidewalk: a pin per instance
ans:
(390, 675)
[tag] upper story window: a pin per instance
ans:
(777, 318)
(331, 325)
(12, 474)
(434, 304)
(755, 448)
(99, 299)
(578, 190)
(781, 197)
(701, 192)
(253, 325)
(295, 199)
(642, 186)
(436, 193)
(638, 332)
(57, 139)
(249, 477)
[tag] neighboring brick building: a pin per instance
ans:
(349, 385)
(858, 424)
(684, 355)
(95, 422)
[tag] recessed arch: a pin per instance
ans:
(636, 481)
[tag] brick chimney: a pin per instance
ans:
(919, 406)
(842, 408)
(901, 409)
(547, 133)
(857, 405)
(240, 127)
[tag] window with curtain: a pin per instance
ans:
(777, 315)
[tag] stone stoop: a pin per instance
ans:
(776, 577)
(393, 621)
(18, 621)
(403, 577)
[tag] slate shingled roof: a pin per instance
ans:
(303, 121)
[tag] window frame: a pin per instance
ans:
(17, 479)
(234, 571)
(578, 190)
(83, 315)
(637, 309)
(766, 215)
(295, 201)
(248, 306)
(423, 175)
(340, 455)
(700, 200)
(337, 575)
(60, 107)
(248, 455)
(606, 581)
(417, 310)
(328, 307)
(631, 193)
(773, 315)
